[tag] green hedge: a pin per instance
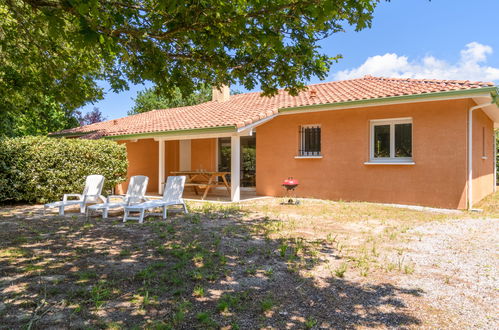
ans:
(41, 169)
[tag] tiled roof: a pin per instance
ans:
(244, 109)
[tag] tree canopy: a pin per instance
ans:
(91, 117)
(151, 98)
(54, 51)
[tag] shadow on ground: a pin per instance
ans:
(216, 267)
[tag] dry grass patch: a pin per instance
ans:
(256, 265)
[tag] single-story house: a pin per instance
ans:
(406, 141)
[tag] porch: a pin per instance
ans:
(215, 196)
(232, 153)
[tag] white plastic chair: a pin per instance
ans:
(172, 195)
(135, 194)
(91, 194)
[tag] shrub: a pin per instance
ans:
(41, 169)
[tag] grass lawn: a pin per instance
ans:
(257, 265)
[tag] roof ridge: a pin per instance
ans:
(366, 77)
(429, 80)
(245, 108)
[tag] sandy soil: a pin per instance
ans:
(334, 265)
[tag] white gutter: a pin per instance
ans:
(470, 151)
(256, 123)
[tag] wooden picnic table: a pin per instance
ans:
(204, 180)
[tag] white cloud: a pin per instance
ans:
(470, 66)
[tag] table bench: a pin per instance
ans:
(204, 180)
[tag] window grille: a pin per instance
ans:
(310, 140)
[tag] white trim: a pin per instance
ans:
(492, 110)
(308, 157)
(391, 122)
(161, 165)
(199, 136)
(235, 168)
(331, 107)
(389, 163)
(256, 123)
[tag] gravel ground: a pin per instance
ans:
(457, 266)
(269, 270)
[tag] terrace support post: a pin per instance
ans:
(161, 165)
(235, 168)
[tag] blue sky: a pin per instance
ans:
(448, 39)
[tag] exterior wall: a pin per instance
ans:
(483, 155)
(203, 154)
(439, 150)
(172, 157)
(142, 160)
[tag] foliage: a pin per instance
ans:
(92, 117)
(36, 117)
(152, 98)
(44, 74)
(184, 44)
(43, 169)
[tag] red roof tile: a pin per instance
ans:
(244, 109)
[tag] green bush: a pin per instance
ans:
(41, 169)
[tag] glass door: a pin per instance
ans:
(248, 159)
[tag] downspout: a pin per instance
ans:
(494, 137)
(470, 152)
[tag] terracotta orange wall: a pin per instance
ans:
(483, 169)
(203, 154)
(171, 155)
(439, 150)
(142, 160)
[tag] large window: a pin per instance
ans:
(391, 140)
(310, 140)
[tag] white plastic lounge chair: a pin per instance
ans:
(134, 195)
(172, 195)
(91, 194)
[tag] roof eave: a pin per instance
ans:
(194, 131)
(492, 91)
(70, 134)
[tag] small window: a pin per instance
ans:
(391, 140)
(310, 140)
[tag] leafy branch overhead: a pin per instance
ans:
(151, 98)
(266, 43)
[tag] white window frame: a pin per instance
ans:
(392, 122)
(307, 154)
